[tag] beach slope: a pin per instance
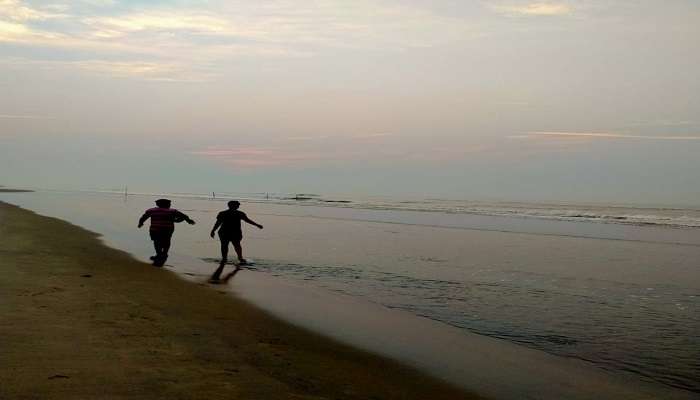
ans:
(81, 320)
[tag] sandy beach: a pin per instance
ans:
(81, 320)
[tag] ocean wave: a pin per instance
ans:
(667, 217)
(683, 218)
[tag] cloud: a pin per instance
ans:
(15, 116)
(14, 10)
(342, 149)
(165, 42)
(16, 19)
(355, 137)
(665, 122)
(11, 29)
(513, 103)
(371, 136)
(162, 21)
(249, 157)
(234, 152)
(535, 9)
(597, 135)
(361, 24)
(99, 3)
(161, 71)
(23, 34)
(282, 27)
(308, 138)
(147, 70)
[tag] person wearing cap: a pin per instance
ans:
(163, 219)
(228, 222)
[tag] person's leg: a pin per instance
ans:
(164, 248)
(158, 259)
(156, 247)
(161, 243)
(224, 257)
(224, 251)
(166, 243)
(156, 244)
(239, 250)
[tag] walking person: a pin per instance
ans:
(163, 219)
(228, 222)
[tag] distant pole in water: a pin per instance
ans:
(126, 192)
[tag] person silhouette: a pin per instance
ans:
(163, 219)
(228, 222)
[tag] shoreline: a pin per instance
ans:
(82, 319)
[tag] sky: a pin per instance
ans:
(577, 101)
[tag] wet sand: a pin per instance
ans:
(81, 320)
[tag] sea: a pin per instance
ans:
(616, 287)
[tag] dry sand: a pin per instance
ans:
(79, 320)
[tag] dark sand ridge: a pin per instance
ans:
(5, 190)
(80, 320)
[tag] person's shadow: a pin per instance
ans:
(231, 274)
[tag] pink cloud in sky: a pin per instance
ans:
(252, 157)
(246, 157)
(598, 135)
(234, 152)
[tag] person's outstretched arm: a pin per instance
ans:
(216, 226)
(185, 218)
(250, 221)
(144, 217)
